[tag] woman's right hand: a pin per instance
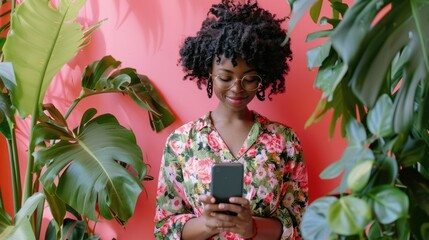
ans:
(210, 206)
(211, 221)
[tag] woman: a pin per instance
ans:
(238, 53)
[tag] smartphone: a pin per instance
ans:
(227, 181)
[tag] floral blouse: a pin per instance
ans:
(275, 176)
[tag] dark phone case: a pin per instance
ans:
(227, 181)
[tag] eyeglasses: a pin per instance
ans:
(249, 82)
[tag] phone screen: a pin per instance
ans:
(227, 181)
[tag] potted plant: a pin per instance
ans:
(373, 70)
(91, 170)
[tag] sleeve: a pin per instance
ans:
(172, 208)
(294, 190)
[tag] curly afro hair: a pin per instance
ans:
(239, 30)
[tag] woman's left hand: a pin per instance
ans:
(241, 224)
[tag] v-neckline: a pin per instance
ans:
(247, 143)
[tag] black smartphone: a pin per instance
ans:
(227, 181)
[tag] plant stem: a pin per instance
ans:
(13, 6)
(77, 100)
(73, 105)
(28, 186)
(15, 171)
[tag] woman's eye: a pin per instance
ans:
(251, 79)
(225, 78)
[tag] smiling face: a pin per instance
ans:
(228, 82)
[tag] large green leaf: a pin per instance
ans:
(349, 215)
(389, 203)
(98, 78)
(41, 40)
(102, 167)
(348, 36)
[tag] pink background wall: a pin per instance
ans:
(146, 35)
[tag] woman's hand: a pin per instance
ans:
(241, 224)
(210, 221)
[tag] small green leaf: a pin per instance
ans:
(329, 77)
(379, 119)
(73, 229)
(349, 215)
(389, 203)
(317, 55)
(356, 132)
(315, 10)
(317, 35)
(314, 224)
(359, 175)
(7, 75)
(6, 115)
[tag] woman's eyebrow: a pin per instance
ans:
(230, 71)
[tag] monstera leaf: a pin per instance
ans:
(105, 76)
(101, 167)
(39, 46)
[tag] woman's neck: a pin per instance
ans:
(226, 115)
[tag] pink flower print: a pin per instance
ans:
(161, 213)
(202, 168)
(297, 209)
(261, 158)
(164, 229)
(184, 128)
(260, 173)
(271, 169)
(272, 127)
(276, 145)
(264, 138)
(289, 167)
(289, 232)
(214, 142)
(188, 169)
(300, 173)
(176, 203)
(251, 193)
(170, 171)
(289, 198)
(247, 178)
(297, 147)
(200, 124)
(162, 188)
(229, 236)
(178, 186)
(177, 146)
(290, 149)
(262, 192)
(269, 198)
(262, 120)
(188, 143)
(251, 152)
(272, 182)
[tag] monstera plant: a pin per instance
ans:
(91, 170)
(373, 70)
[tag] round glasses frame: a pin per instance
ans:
(227, 82)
